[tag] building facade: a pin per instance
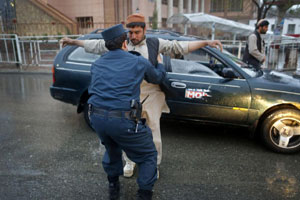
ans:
(77, 16)
(7, 16)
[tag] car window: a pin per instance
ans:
(79, 55)
(250, 70)
(212, 66)
(191, 67)
(200, 56)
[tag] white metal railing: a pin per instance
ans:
(281, 54)
(41, 50)
(234, 46)
(30, 50)
(11, 52)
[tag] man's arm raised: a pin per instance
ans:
(175, 47)
(194, 45)
(68, 41)
(90, 46)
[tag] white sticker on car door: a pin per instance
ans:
(196, 93)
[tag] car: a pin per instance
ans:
(206, 86)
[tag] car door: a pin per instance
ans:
(195, 88)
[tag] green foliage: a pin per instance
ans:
(59, 35)
(68, 31)
(45, 37)
(295, 12)
(154, 19)
(33, 37)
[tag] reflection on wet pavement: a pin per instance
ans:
(48, 152)
(283, 183)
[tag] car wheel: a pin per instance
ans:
(281, 131)
(86, 115)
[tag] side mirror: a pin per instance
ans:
(228, 73)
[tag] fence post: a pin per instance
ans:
(19, 51)
(240, 50)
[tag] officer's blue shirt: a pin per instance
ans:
(116, 77)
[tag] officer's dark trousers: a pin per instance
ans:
(118, 134)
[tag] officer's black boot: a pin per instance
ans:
(144, 194)
(114, 188)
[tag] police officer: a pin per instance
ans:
(148, 48)
(255, 47)
(115, 111)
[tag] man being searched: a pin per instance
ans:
(255, 48)
(148, 48)
(115, 111)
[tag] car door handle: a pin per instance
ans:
(178, 85)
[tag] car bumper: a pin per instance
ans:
(66, 95)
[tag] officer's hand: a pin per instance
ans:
(215, 44)
(159, 58)
(66, 41)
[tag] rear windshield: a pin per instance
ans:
(79, 55)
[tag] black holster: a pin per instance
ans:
(135, 110)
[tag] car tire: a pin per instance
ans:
(280, 131)
(86, 115)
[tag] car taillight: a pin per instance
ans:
(53, 74)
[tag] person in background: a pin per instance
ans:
(255, 48)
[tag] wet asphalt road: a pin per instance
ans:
(48, 152)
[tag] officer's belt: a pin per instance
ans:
(111, 113)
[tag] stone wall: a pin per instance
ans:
(32, 20)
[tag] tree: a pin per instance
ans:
(154, 19)
(295, 13)
(263, 6)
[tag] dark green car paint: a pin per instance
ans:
(242, 101)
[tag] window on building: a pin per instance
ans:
(291, 29)
(273, 27)
(8, 15)
(235, 5)
(164, 22)
(175, 3)
(165, 2)
(85, 22)
(217, 5)
(185, 2)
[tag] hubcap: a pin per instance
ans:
(285, 133)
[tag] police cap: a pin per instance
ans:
(113, 32)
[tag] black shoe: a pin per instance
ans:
(114, 190)
(144, 194)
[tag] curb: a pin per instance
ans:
(24, 72)
(27, 70)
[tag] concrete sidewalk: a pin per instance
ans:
(12, 68)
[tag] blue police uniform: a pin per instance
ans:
(115, 81)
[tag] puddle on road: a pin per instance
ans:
(23, 85)
(282, 183)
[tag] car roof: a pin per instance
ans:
(163, 34)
